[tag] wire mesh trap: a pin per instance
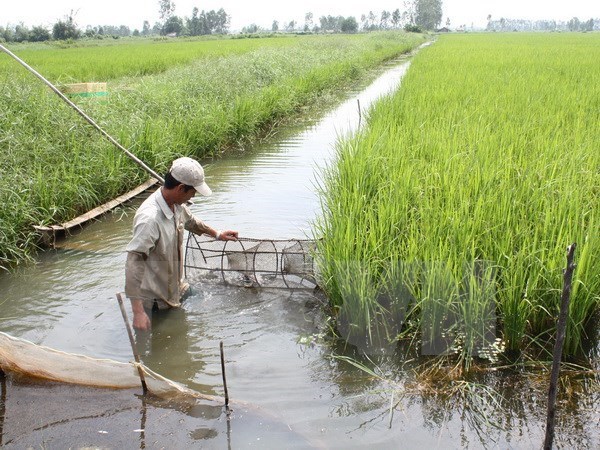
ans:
(273, 263)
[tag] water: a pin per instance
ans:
(279, 354)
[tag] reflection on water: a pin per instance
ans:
(278, 353)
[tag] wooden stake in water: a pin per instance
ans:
(224, 378)
(561, 328)
(132, 342)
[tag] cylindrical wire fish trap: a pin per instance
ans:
(272, 263)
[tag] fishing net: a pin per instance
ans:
(272, 263)
(23, 358)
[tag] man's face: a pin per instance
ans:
(184, 196)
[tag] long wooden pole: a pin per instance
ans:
(561, 328)
(134, 158)
(132, 342)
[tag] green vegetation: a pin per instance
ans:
(454, 206)
(84, 61)
(201, 98)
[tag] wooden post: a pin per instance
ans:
(132, 342)
(224, 378)
(561, 328)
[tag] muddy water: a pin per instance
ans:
(279, 356)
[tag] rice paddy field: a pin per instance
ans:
(447, 218)
(166, 98)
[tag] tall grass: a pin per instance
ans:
(55, 166)
(486, 157)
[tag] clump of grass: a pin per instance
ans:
(487, 153)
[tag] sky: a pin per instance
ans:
(262, 12)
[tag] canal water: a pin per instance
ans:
(289, 381)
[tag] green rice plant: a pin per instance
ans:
(487, 153)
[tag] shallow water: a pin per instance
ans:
(279, 356)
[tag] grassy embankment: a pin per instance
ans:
(166, 99)
(454, 207)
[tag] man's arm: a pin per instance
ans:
(134, 274)
(197, 226)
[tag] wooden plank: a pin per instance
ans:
(48, 234)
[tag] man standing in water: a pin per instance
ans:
(154, 268)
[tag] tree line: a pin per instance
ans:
(416, 15)
(573, 24)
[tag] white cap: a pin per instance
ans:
(189, 171)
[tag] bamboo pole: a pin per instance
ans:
(561, 328)
(224, 378)
(132, 342)
(134, 158)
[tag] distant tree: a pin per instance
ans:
(332, 23)
(396, 17)
(275, 26)
(251, 29)
(588, 26)
(290, 26)
(408, 16)
(371, 20)
(156, 28)
(136, 33)
(65, 29)
(222, 21)
(208, 22)
(39, 34)
(308, 21)
(194, 25)
(363, 21)
(385, 19)
(166, 8)
(173, 24)
(349, 25)
(146, 28)
(574, 24)
(90, 31)
(428, 13)
(22, 33)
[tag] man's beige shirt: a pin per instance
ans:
(154, 269)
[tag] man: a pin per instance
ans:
(154, 268)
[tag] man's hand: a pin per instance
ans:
(228, 235)
(141, 321)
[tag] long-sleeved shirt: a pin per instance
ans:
(154, 268)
